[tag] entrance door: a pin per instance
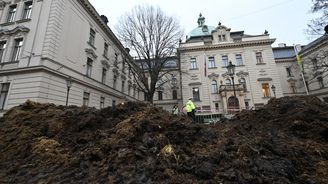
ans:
(233, 104)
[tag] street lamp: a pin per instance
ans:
(68, 85)
(231, 72)
(273, 88)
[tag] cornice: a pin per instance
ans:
(14, 31)
(228, 45)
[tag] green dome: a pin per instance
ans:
(201, 31)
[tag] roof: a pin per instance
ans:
(201, 31)
(315, 42)
(283, 52)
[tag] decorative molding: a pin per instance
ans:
(21, 29)
(264, 79)
(291, 80)
(105, 64)
(242, 74)
(195, 84)
(2, 5)
(213, 75)
(91, 53)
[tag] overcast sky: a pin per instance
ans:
(284, 19)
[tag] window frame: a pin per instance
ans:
(4, 94)
(86, 98)
(265, 90)
(102, 102)
(17, 49)
(27, 11)
(92, 37)
(239, 60)
(225, 60)
(103, 75)
(160, 95)
(211, 62)
(89, 67)
(259, 57)
(214, 86)
(12, 11)
(193, 64)
(3, 45)
(196, 93)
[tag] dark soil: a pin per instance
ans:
(285, 142)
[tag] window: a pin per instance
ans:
(289, 72)
(217, 106)
(243, 83)
(86, 98)
(103, 76)
(214, 86)
(102, 102)
(113, 103)
(12, 13)
(193, 63)
(89, 67)
(265, 90)
(3, 94)
(27, 10)
(239, 59)
(225, 61)
(222, 38)
(92, 37)
(195, 93)
(228, 82)
(105, 49)
(129, 90)
(247, 105)
(114, 81)
(160, 95)
(2, 49)
(116, 59)
(175, 94)
(259, 58)
(320, 80)
(123, 85)
(123, 65)
(293, 87)
(211, 62)
(17, 49)
(315, 64)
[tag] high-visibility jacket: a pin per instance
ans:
(190, 106)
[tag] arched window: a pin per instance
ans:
(228, 82)
(243, 83)
(214, 86)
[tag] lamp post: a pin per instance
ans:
(231, 73)
(273, 88)
(68, 85)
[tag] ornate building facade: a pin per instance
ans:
(46, 43)
(204, 58)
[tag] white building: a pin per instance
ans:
(204, 57)
(45, 42)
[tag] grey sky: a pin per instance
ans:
(284, 19)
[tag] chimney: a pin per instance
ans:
(281, 45)
(104, 18)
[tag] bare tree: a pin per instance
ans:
(153, 37)
(316, 25)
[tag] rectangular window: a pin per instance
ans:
(114, 81)
(259, 58)
(3, 94)
(103, 76)
(27, 10)
(102, 102)
(195, 94)
(289, 72)
(106, 49)
(222, 38)
(12, 13)
(129, 90)
(211, 62)
(113, 103)
(123, 84)
(265, 90)
(86, 98)
(2, 49)
(92, 37)
(321, 84)
(193, 63)
(123, 65)
(315, 64)
(89, 67)
(17, 49)
(247, 105)
(160, 95)
(225, 61)
(293, 88)
(239, 59)
(175, 94)
(217, 106)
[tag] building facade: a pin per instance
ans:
(44, 43)
(204, 58)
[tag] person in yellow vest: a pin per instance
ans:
(191, 109)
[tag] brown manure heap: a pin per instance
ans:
(285, 142)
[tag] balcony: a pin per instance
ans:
(225, 88)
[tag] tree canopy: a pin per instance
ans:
(316, 26)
